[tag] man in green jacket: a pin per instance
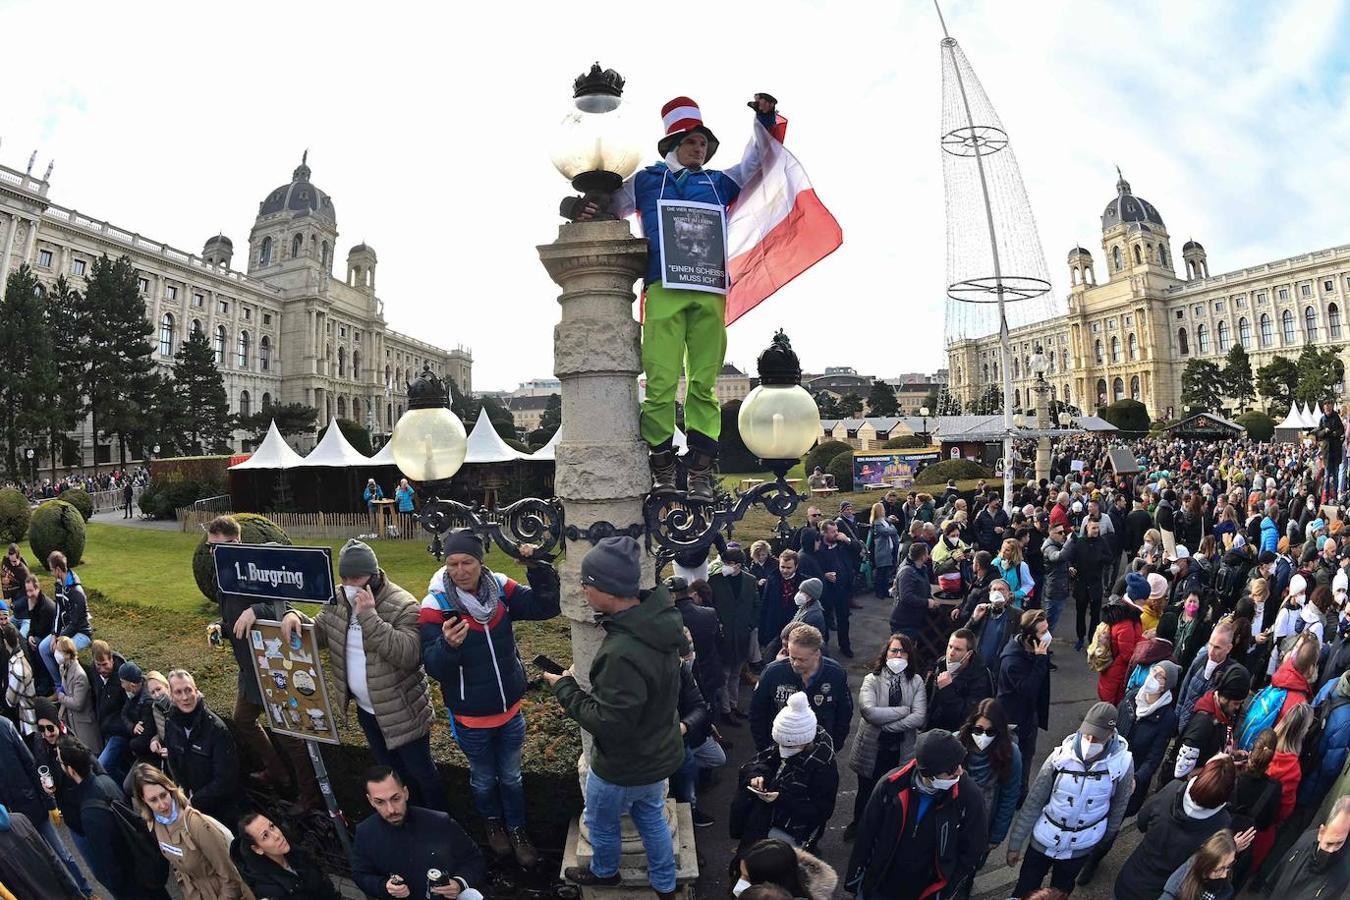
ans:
(631, 713)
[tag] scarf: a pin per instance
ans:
(1143, 710)
(1193, 809)
(483, 605)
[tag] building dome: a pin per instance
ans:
(1077, 252)
(300, 197)
(1126, 208)
(1191, 245)
(219, 239)
(362, 247)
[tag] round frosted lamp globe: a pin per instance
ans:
(779, 421)
(429, 444)
(596, 142)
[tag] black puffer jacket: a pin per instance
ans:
(205, 764)
(304, 880)
(807, 784)
(109, 698)
(1170, 837)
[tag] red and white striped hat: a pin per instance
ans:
(680, 117)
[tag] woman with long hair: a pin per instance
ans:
(884, 542)
(1013, 570)
(1151, 551)
(776, 862)
(995, 763)
(1256, 799)
(1284, 767)
(196, 845)
(75, 696)
(892, 708)
(1208, 874)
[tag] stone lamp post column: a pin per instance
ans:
(601, 472)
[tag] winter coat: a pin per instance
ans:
(1073, 804)
(827, 691)
(812, 614)
(986, 535)
(390, 637)
(631, 709)
(28, 866)
(484, 678)
(72, 608)
(42, 618)
(1023, 686)
(205, 763)
(1207, 733)
(1058, 557)
(992, 632)
(20, 789)
(104, 845)
(1000, 794)
(134, 711)
(736, 601)
(1333, 747)
(1293, 878)
(1194, 685)
(12, 579)
(153, 715)
(893, 846)
(885, 544)
(1148, 737)
(1295, 685)
(109, 698)
(1170, 837)
(77, 705)
(776, 608)
(304, 880)
(1137, 524)
(816, 877)
(807, 784)
(1172, 890)
(912, 593)
(1018, 579)
(706, 630)
(949, 707)
(694, 711)
(427, 839)
(878, 719)
(1125, 634)
(1270, 535)
(198, 850)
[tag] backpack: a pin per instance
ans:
(1262, 713)
(148, 867)
(1310, 756)
(1099, 653)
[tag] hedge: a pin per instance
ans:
(256, 530)
(821, 454)
(166, 494)
(1260, 427)
(959, 469)
(14, 515)
(191, 468)
(56, 525)
(80, 499)
(905, 442)
(841, 467)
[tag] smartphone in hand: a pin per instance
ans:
(543, 662)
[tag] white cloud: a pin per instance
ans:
(429, 125)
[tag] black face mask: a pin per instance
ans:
(1322, 860)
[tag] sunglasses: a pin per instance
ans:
(980, 732)
(48, 729)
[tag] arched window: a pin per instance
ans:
(1162, 258)
(388, 377)
(1138, 255)
(342, 407)
(1054, 393)
(1223, 336)
(986, 371)
(1183, 344)
(1310, 324)
(1202, 338)
(356, 407)
(220, 345)
(264, 353)
(324, 256)
(1287, 326)
(1017, 396)
(389, 413)
(342, 362)
(1101, 391)
(1132, 342)
(1097, 351)
(1267, 330)
(1118, 389)
(243, 349)
(1017, 368)
(1050, 358)
(1064, 360)
(297, 244)
(1066, 392)
(1119, 262)
(265, 252)
(1134, 388)
(166, 335)
(356, 364)
(1244, 332)
(196, 326)
(266, 402)
(1115, 349)
(1333, 320)
(245, 404)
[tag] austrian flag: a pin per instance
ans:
(777, 228)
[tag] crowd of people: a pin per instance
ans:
(1209, 600)
(115, 479)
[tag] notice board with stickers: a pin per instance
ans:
(290, 677)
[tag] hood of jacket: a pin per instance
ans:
(1114, 747)
(1151, 650)
(1014, 647)
(655, 622)
(1209, 703)
(1287, 677)
(817, 877)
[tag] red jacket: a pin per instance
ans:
(1298, 690)
(1111, 683)
(1284, 768)
(1059, 516)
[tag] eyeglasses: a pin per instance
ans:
(48, 729)
(980, 732)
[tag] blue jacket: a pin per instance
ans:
(1270, 535)
(370, 496)
(1332, 751)
(1023, 686)
(404, 496)
(828, 692)
(484, 676)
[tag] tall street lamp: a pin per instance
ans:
(594, 149)
(923, 411)
(1039, 366)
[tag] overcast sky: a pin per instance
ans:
(430, 125)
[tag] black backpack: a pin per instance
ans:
(1310, 755)
(149, 868)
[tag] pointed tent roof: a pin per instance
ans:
(1293, 419)
(1310, 415)
(333, 451)
(272, 453)
(549, 450)
(385, 457)
(486, 446)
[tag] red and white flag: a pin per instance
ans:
(777, 228)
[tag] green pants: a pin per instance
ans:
(682, 331)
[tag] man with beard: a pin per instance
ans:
(1318, 865)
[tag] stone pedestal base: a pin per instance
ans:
(633, 861)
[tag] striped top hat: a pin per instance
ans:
(680, 117)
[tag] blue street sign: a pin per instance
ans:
(275, 572)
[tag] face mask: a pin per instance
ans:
(1090, 750)
(733, 571)
(998, 601)
(60, 658)
(1046, 638)
(801, 600)
(1192, 608)
(171, 817)
(982, 741)
(944, 784)
(953, 666)
(130, 694)
(1152, 685)
(1321, 859)
(1148, 545)
(785, 752)
(1175, 569)
(897, 665)
(740, 887)
(351, 591)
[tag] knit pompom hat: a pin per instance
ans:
(795, 723)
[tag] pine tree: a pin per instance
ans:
(28, 373)
(1277, 380)
(1238, 382)
(204, 423)
(64, 408)
(881, 400)
(1319, 371)
(291, 418)
(1201, 386)
(117, 359)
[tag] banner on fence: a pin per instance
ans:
(894, 468)
(275, 572)
(290, 677)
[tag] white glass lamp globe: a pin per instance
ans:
(429, 444)
(779, 421)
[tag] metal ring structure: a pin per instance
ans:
(676, 526)
(989, 289)
(598, 531)
(974, 140)
(527, 521)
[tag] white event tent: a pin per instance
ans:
(333, 451)
(272, 453)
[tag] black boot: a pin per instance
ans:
(662, 463)
(702, 469)
(1089, 870)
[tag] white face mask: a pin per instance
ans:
(801, 599)
(1148, 545)
(1152, 685)
(897, 665)
(733, 571)
(740, 887)
(1090, 749)
(785, 752)
(982, 740)
(60, 658)
(944, 784)
(998, 600)
(953, 666)
(1046, 639)
(351, 591)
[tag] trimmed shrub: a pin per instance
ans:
(57, 525)
(841, 467)
(256, 530)
(960, 469)
(905, 442)
(1127, 415)
(14, 515)
(164, 496)
(821, 454)
(80, 499)
(1260, 427)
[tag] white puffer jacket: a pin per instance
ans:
(1075, 807)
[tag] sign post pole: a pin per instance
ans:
(329, 798)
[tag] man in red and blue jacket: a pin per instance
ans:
(468, 646)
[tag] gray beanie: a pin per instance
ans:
(464, 541)
(813, 588)
(1100, 722)
(613, 566)
(357, 559)
(1173, 672)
